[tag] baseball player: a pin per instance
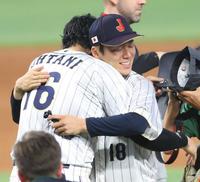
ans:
(121, 154)
(79, 85)
(132, 11)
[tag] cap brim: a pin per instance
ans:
(165, 65)
(121, 40)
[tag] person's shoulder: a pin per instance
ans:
(104, 71)
(103, 66)
(135, 78)
(64, 52)
(134, 75)
(48, 53)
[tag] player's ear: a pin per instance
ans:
(59, 171)
(95, 52)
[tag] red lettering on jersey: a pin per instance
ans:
(120, 27)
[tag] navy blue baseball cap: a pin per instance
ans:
(111, 30)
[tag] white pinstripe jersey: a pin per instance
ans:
(79, 85)
(123, 160)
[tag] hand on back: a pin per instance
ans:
(29, 81)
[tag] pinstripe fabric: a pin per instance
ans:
(125, 161)
(80, 85)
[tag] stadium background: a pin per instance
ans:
(29, 28)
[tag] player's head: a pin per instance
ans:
(37, 154)
(130, 9)
(112, 41)
(76, 31)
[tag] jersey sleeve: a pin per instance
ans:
(144, 103)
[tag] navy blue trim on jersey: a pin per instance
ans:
(167, 140)
(15, 108)
(128, 124)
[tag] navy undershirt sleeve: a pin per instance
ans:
(167, 140)
(132, 125)
(15, 108)
(128, 124)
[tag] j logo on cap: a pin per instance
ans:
(120, 27)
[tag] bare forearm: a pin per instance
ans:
(18, 93)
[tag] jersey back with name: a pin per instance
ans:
(79, 85)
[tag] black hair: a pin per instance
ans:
(76, 31)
